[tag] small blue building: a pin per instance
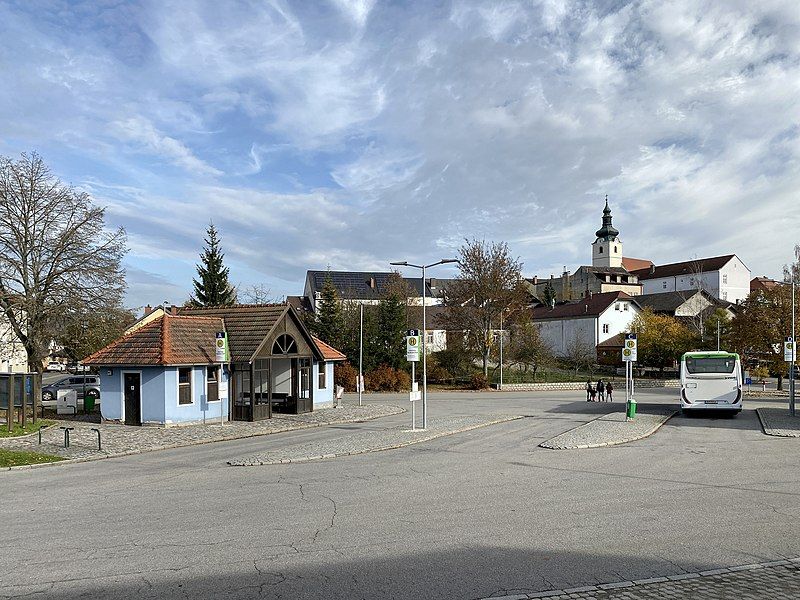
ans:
(164, 372)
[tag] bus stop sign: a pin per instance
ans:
(629, 349)
(789, 349)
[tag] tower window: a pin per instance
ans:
(615, 249)
(600, 250)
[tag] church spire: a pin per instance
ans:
(607, 231)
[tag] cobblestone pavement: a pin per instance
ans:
(777, 580)
(778, 422)
(117, 440)
(370, 441)
(613, 429)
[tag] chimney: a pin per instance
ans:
(535, 279)
(173, 310)
(586, 308)
(372, 282)
(565, 273)
(652, 268)
(147, 310)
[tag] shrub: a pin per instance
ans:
(478, 382)
(345, 375)
(387, 379)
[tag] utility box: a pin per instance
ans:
(67, 402)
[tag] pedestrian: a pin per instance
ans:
(601, 390)
(609, 391)
(589, 390)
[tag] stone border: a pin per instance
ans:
(70, 461)
(775, 431)
(550, 446)
(640, 582)
(382, 448)
(581, 386)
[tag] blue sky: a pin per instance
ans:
(349, 134)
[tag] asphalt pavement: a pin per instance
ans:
(477, 514)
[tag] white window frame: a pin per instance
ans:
(178, 386)
(322, 373)
(606, 328)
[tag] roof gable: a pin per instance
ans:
(688, 267)
(590, 306)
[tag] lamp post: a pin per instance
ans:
(424, 332)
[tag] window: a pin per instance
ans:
(725, 278)
(285, 344)
(724, 295)
(664, 285)
(625, 306)
(605, 327)
(212, 384)
(615, 249)
(600, 249)
(429, 339)
(185, 385)
(322, 381)
(616, 306)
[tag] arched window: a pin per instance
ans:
(600, 250)
(284, 345)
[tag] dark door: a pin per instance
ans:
(133, 409)
(304, 401)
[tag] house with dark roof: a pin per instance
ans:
(763, 284)
(585, 324)
(367, 287)
(724, 277)
(164, 370)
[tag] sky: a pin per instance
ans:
(347, 134)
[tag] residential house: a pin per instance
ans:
(585, 323)
(763, 284)
(724, 277)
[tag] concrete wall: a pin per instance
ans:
(619, 386)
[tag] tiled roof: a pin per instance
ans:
(666, 302)
(358, 285)
(585, 307)
(615, 341)
(328, 352)
(247, 325)
(763, 283)
(689, 267)
(634, 264)
(168, 340)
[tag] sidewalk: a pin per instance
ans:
(121, 440)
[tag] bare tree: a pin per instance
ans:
(489, 283)
(57, 259)
(257, 293)
(579, 351)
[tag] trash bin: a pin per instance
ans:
(631, 410)
(88, 403)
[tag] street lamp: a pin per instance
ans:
(405, 263)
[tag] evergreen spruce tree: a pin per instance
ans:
(213, 288)
(549, 294)
(391, 329)
(329, 322)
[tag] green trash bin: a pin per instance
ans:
(631, 409)
(89, 401)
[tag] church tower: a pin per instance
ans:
(607, 249)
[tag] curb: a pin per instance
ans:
(640, 582)
(605, 444)
(70, 461)
(381, 449)
(769, 430)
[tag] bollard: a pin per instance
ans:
(66, 435)
(99, 447)
(40, 434)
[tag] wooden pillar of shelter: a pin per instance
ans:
(269, 389)
(24, 402)
(252, 391)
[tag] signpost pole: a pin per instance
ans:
(794, 354)
(424, 358)
(413, 404)
(360, 351)
(501, 350)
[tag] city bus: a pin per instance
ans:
(711, 381)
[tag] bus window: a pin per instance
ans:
(710, 365)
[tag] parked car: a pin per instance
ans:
(77, 368)
(75, 382)
(56, 366)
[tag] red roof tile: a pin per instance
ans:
(585, 307)
(168, 340)
(328, 352)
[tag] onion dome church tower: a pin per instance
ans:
(607, 249)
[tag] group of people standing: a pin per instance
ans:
(600, 393)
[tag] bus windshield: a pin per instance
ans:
(696, 364)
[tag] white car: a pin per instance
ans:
(56, 366)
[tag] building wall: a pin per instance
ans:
(693, 306)
(736, 286)
(323, 398)
(160, 395)
(560, 334)
(618, 317)
(13, 358)
(436, 340)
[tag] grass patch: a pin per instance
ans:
(15, 458)
(18, 430)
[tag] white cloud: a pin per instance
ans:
(146, 137)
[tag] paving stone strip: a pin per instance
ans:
(370, 441)
(778, 422)
(777, 580)
(122, 440)
(612, 429)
